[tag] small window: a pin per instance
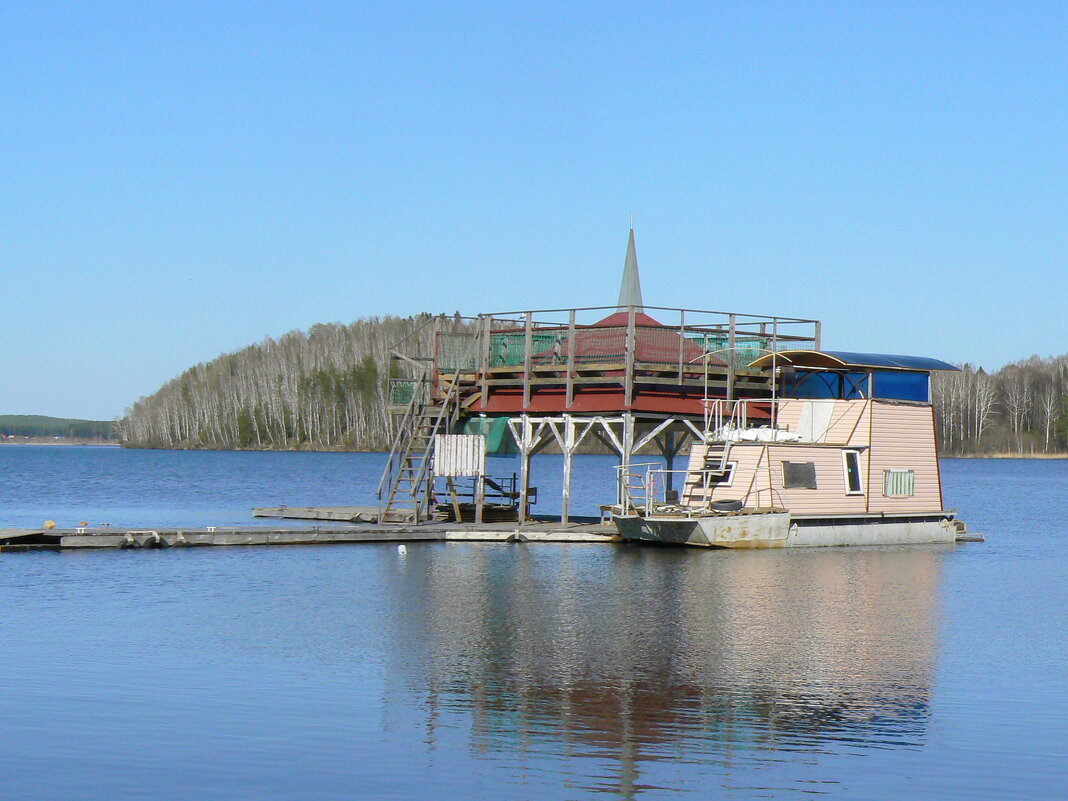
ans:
(851, 465)
(799, 475)
(724, 479)
(899, 483)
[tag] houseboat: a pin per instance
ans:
(844, 453)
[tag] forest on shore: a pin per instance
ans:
(37, 427)
(327, 389)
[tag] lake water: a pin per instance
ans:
(520, 671)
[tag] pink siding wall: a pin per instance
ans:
(901, 437)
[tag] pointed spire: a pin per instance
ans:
(630, 288)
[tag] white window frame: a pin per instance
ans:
(845, 471)
(730, 470)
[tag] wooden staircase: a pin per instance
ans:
(409, 473)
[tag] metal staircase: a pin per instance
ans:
(408, 477)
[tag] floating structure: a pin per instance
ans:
(787, 444)
(844, 455)
(630, 376)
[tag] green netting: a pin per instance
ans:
(402, 390)
(457, 352)
(507, 349)
(746, 348)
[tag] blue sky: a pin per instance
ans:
(182, 179)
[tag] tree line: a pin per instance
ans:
(324, 389)
(1020, 409)
(34, 425)
(327, 389)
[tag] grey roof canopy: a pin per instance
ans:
(843, 359)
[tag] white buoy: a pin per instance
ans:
(402, 550)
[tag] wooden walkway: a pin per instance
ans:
(12, 539)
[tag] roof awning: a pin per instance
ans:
(845, 360)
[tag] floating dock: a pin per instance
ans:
(29, 539)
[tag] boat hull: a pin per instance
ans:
(782, 530)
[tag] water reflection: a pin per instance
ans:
(636, 655)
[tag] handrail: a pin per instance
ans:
(747, 316)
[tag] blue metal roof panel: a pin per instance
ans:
(836, 359)
(889, 360)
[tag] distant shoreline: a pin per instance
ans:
(1007, 456)
(69, 443)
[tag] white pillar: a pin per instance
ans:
(524, 466)
(569, 450)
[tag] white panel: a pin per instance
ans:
(815, 420)
(458, 455)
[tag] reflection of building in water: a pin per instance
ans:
(640, 654)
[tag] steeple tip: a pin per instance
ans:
(630, 288)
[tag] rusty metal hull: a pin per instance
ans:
(782, 530)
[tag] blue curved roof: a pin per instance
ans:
(838, 359)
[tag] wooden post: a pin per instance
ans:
(480, 496)
(628, 381)
(455, 500)
(484, 359)
(819, 335)
(668, 449)
(570, 381)
(682, 340)
(730, 357)
(527, 343)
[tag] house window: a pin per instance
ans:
(899, 483)
(799, 475)
(851, 466)
(722, 480)
(713, 479)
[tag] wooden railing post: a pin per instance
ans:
(528, 339)
(682, 339)
(570, 390)
(730, 356)
(484, 358)
(628, 381)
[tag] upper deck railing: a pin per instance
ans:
(577, 337)
(498, 347)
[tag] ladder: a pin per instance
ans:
(697, 490)
(409, 473)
